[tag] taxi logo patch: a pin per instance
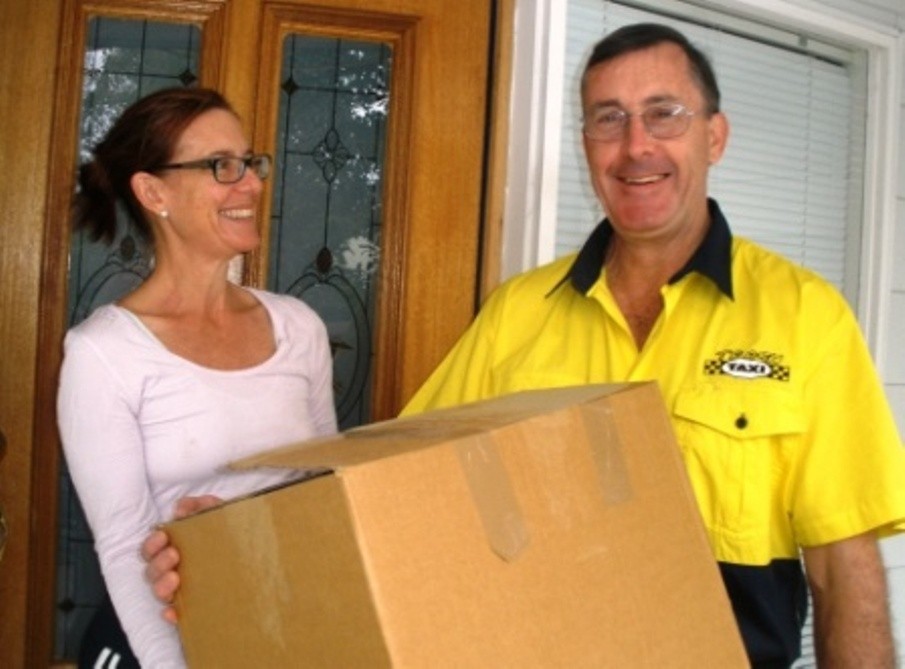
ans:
(741, 364)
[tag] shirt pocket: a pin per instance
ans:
(735, 437)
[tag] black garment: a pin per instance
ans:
(712, 259)
(104, 645)
(770, 605)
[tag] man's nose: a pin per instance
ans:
(636, 138)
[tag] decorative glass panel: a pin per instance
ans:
(326, 214)
(124, 61)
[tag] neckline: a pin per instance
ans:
(136, 320)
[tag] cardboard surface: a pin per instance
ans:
(545, 529)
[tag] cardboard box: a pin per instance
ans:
(552, 528)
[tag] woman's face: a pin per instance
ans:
(203, 215)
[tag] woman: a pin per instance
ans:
(161, 390)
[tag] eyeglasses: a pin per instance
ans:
(662, 121)
(226, 169)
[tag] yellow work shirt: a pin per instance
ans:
(782, 421)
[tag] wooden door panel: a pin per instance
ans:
(26, 76)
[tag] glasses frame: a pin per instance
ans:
(261, 165)
(679, 111)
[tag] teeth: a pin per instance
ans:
(644, 180)
(238, 213)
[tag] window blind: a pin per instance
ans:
(790, 178)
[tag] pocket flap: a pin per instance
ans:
(742, 409)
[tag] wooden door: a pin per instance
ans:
(434, 196)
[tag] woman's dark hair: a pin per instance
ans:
(645, 35)
(143, 138)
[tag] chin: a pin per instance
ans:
(245, 245)
(645, 213)
(641, 217)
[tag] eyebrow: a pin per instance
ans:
(224, 153)
(647, 102)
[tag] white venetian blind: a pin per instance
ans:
(790, 178)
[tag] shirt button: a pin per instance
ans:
(741, 422)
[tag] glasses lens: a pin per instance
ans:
(261, 165)
(666, 121)
(229, 170)
(605, 124)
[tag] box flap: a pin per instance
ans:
(395, 437)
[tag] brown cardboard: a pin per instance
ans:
(551, 528)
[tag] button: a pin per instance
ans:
(741, 422)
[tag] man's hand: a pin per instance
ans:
(162, 558)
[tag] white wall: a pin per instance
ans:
(890, 13)
(894, 370)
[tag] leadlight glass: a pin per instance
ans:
(124, 61)
(326, 214)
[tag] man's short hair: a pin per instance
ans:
(640, 36)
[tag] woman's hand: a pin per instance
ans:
(163, 558)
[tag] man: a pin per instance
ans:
(783, 425)
(787, 437)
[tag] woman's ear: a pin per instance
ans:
(149, 191)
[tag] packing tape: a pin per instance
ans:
(494, 497)
(607, 452)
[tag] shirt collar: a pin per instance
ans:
(711, 259)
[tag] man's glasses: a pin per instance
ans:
(226, 169)
(662, 121)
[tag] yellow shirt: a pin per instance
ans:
(781, 418)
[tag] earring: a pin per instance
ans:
(164, 214)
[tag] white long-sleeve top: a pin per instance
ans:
(142, 427)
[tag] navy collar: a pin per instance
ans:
(711, 259)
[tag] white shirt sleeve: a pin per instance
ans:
(104, 451)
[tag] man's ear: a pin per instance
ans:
(149, 191)
(718, 127)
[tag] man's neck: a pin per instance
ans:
(636, 270)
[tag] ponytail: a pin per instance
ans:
(94, 206)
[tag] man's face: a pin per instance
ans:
(652, 188)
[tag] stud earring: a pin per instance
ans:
(164, 214)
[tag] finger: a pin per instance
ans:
(186, 506)
(169, 614)
(156, 542)
(165, 587)
(164, 562)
